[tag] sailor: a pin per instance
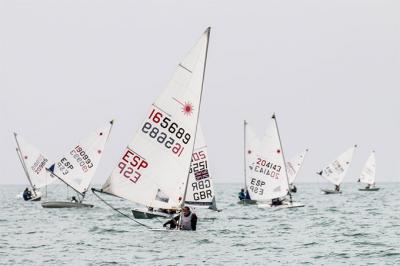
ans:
(293, 189)
(242, 196)
(247, 195)
(187, 220)
(368, 186)
(337, 188)
(276, 202)
(27, 195)
(74, 200)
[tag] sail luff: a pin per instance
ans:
(208, 30)
(283, 156)
(244, 154)
(20, 156)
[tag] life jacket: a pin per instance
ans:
(186, 221)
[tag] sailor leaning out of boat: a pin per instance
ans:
(187, 220)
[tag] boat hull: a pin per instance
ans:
(284, 205)
(38, 198)
(247, 202)
(65, 204)
(369, 189)
(329, 191)
(145, 214)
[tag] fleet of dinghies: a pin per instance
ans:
(165, 167)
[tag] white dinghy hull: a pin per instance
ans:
(65, 204)
(330, 191)
(284, 205)
(145, 214)
(369, 189)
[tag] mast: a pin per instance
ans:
(244, 159)
(208, 30)
(21, 159)
(283, 156)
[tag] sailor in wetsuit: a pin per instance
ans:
(241, 195)
(337, 188)
(27, 195)
(187, 220)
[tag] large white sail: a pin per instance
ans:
(34, 163)
(368, 172)
(200, 189)
(78, 166)
(294, 165)
(154, 168)
(268, 179)
(336, 171)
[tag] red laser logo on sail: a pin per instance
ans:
(187, 107)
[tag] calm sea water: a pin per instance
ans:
(358, 228)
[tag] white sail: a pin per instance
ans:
(294, 165)
(154, 168)
(34, 163)
(368, 172)
(78, 166)
(336, 171)
(251, 144)
(200, 189)
(268, 179)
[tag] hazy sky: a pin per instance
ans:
(329, 69)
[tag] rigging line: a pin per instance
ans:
(115, 209)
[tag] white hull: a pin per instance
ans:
(284, 205)
(65, 204)
(330, 191)
(145, 214)
(369, 189)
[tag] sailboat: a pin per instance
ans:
(268, 181)
(336, 171)
(293, 168)
(251, 143)
(368, 174)
(153, 171)
(34, 164)
(76, 169)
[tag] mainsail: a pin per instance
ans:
(294, 165)
(154, 168)
(251, 143)
(200, 189)
(336, 171)
(268, 179)
(78, 166)
(34, 163)
(368, 172)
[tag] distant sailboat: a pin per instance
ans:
(154, 169)
(268, 182)
(368, 174)
(293, 168)
(76, 169)
(34, 164)
(336, 171)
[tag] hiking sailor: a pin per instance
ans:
(187, 220)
